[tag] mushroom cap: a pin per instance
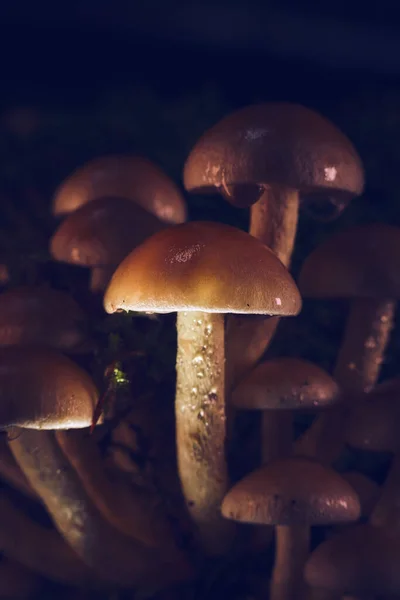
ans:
(40, 315)
(367, 490)
(374, 423)
(102, 232)
(362, 559)
(42, 389)
(290, 491)
(132, 177)
(202, 266)
(274, 143)
(361, 262)
(286, 383)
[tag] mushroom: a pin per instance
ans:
(362, 560)
(132, 177)
(11, 473)
(264, 157)
(202, 271)
(366, 489)
(40, 315)
(100, 234)
(292, 494)
(277, 387)
(361, 264)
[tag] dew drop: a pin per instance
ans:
(370, 343)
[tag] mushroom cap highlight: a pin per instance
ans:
(42, 389)
(275, 143)
(286, 383)
(291, 491)
(102, 232)
(132, 177)
(203, 266)
(361, 262)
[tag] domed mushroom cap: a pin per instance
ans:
(367, 490)
(374, 423)
(203, 266)
(42, 389)
(280, 143)
(290, 491)
(102, 232)
(40, 315)
(286, 383)
(131, 177)
(363, 559)
(360, 262)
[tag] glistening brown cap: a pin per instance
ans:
(42, 389)
(361, 262)
(276, 143)
(286, 383)
(102, 232)
(132, 177)
(206, 267)
(290, 491)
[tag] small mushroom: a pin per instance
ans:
(360, 264)
(32, 315)
(265, 157)
(292, 494)
(277, 387)
(132, 177)
(100, 234)
(202, 271)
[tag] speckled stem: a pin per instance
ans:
(273, 220)
(100, 278)
(357, 370)
(201, 425)
(115, 558)
(292, 549)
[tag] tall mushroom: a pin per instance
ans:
(266, 156)
(124, 176)
(100, 234)
(292, 494)
(361, 264)
(202, 271)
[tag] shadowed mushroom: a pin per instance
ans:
(131, 177)
(100, 234)
(292, 494)
(361, 264)
(201, 271)
(266, 156)
(17, 582)
(11, 473)
(367, 490)
(277, 387)
(363, 560)
(32, 315)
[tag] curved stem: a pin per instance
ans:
(292, 549)
(357, 370)
(115, 557)
(273, 220)
(133, 511)
(201, 424)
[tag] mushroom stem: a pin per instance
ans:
(276, 434)
(292, 549)
(100, 278)
(201, 424)
(357, 370)
(273, 221)
(387, 510)
(116, 558)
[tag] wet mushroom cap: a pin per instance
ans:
(42, 389)
(360, 262)
(367, 490)
(362, 559)
(131, 177)
(206, 267)
(102, 232)
(286, 383)
(290, 491)
(276, 143)
(40, 315)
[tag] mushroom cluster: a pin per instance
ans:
(123, 398)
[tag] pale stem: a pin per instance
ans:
(292, 550)
(201, 425)
(357, 370)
